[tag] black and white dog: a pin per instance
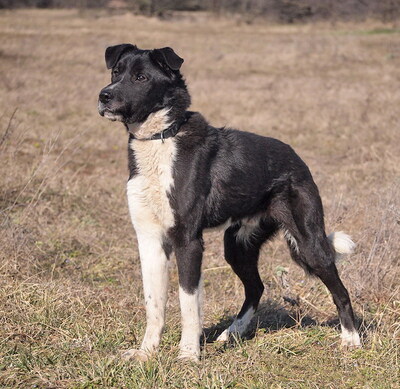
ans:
(187, 176)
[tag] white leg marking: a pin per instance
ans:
(154, 265)
(350, 338)
(155, 285)
(191, 311)
(238, 327)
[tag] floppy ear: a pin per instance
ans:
(167, 56)
(113, 53)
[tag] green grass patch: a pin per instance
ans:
(380, 31)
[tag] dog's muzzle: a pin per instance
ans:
(105, 97)
(105, 108)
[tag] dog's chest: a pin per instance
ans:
(148, 191)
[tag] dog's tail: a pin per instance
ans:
(342, 243)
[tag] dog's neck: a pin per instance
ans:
(155, 123)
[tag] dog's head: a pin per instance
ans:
(142, 82)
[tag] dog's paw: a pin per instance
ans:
(189, 352)
(135, 354)
(224, 337)
(189, 357)
(350, 339)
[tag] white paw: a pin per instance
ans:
(189, 352)
(189, 356)
(224, 337)
(350, 339)
(134, 354)
(238, 327)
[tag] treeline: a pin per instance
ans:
(287, 11)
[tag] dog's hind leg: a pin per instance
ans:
(326, 270)
(242, 247)
(313, 250)
(329, 276)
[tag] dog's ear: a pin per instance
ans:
(113, 53)
(167, 56)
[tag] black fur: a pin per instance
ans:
(222, 174)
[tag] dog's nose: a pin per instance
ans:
(105, 96)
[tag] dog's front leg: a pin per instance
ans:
(189, 258)
(154, 263)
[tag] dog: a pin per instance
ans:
(186, 176)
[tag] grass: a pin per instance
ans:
(383, 31)
(70, 287)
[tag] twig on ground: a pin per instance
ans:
(8, 129)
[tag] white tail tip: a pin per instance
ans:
(342, 243)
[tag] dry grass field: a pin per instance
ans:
(70, 286)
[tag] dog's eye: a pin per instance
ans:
(115, 72)
(141, 78)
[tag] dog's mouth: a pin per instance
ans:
(109, 113)
(112, 116)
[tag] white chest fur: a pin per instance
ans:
(148, 191)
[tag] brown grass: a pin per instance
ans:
(70, 287)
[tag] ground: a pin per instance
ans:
(70, 287)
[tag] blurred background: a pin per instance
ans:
(286, 11)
